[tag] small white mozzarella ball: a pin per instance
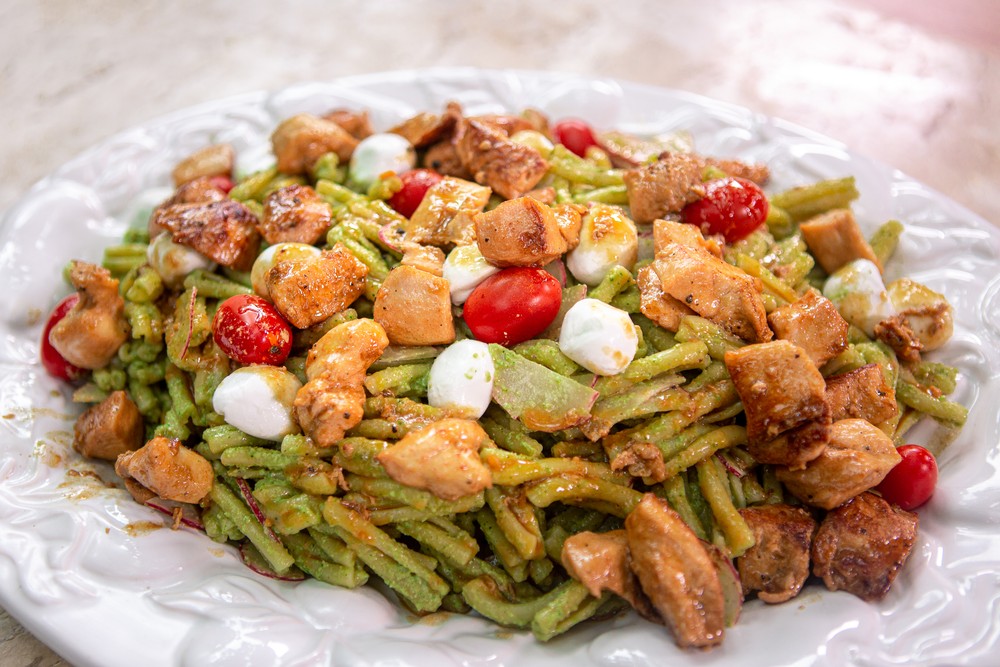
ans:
(461, 379)
(271, 256)
(928, 314)
(258, 400)
(607, 237)
(857, 290)
(533, 139)
(379, 153)
(174, 261)
(464, 268)
(599, 337)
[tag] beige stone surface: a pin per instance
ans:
(913, 88)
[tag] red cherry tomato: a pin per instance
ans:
(575, 135)
(911, 482)
(52, 361)
(513, 305)
(733, 207)
(251, 331)
(224, 183)
(416, 183)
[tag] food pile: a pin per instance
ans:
(533, 371)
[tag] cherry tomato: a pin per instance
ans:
(513, 305)
(911, 482)
(251, 331)
(416, 183)
(733, 207)
(575, 135)
(224, 183)
(52, 361)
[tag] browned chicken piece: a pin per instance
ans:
(666, 232)
(414, 307)
(519, 232)
(307, 290)
(569, 217)
(658, 306)
(665, 186)
(214, 160)
(545, 195)
(110, 428)
(861, 546)
(862, 393)
(443, 158)
(302, 139)
(676, 573)
(425, 129)
(197, 191)
(639, 459)
(758, 173)
(777, 565)
(444, 216)
(95, 327)
(169, 469)
(295, 214)
(856, 459)
(510, 169)
(537, 120)
(505, 123)
(424, 257)
(834, 238)
(224, 231)
(894, 332)
(715, 290)
(357, 123)
(332, 400)
(442, 458)
(600, 561)
(814, 324)
(782, 391)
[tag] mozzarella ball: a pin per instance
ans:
(607, 237)
(379, 153)
(461, 379)
(464, 268)
(857, 290)
(174, 261)
(258, 400)
(928, 314)
(599, 337)
(271, 256)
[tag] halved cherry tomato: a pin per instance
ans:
(574, 134)
(224, 183)
(733, 207)
(251, 331)
(416, 183)
(911, 482)
(52, 361)
(513, 305)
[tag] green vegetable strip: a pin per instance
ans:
(938, 407)
(806, 201)
(715, 488)
(705, 446)
(270, 548)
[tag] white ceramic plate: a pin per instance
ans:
(89, 573)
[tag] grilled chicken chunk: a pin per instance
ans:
(224, 231)
(777, 565)
(444, 216)
(658, 306)
(714, 289)
(857, 457)
(443, 158)
(834, 238)
(894, 332)
(508, 168)
(666, 232)
(600, 561)
(862, 393)
(332, 400)
(519, 232)
(200, 190)
(758, 173)
(306, 290)
(414, 307)
(357, 123)
(167, 468)
(425, 129)
(861, 546)
(813, 324)
(214, 160)
(295, 214)
(302, 139)
(660, 188)
(424, 257)
(93, 330)
(112, 427)
(676, 573)
(569, 217)
(442, 458)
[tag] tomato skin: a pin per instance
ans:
(733, 207)
(574, 134)
(513, 305)
(224, 183)
(248, 329)
(53, 362)
(911, 482)
(416, 183)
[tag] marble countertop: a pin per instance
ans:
(916, 87)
